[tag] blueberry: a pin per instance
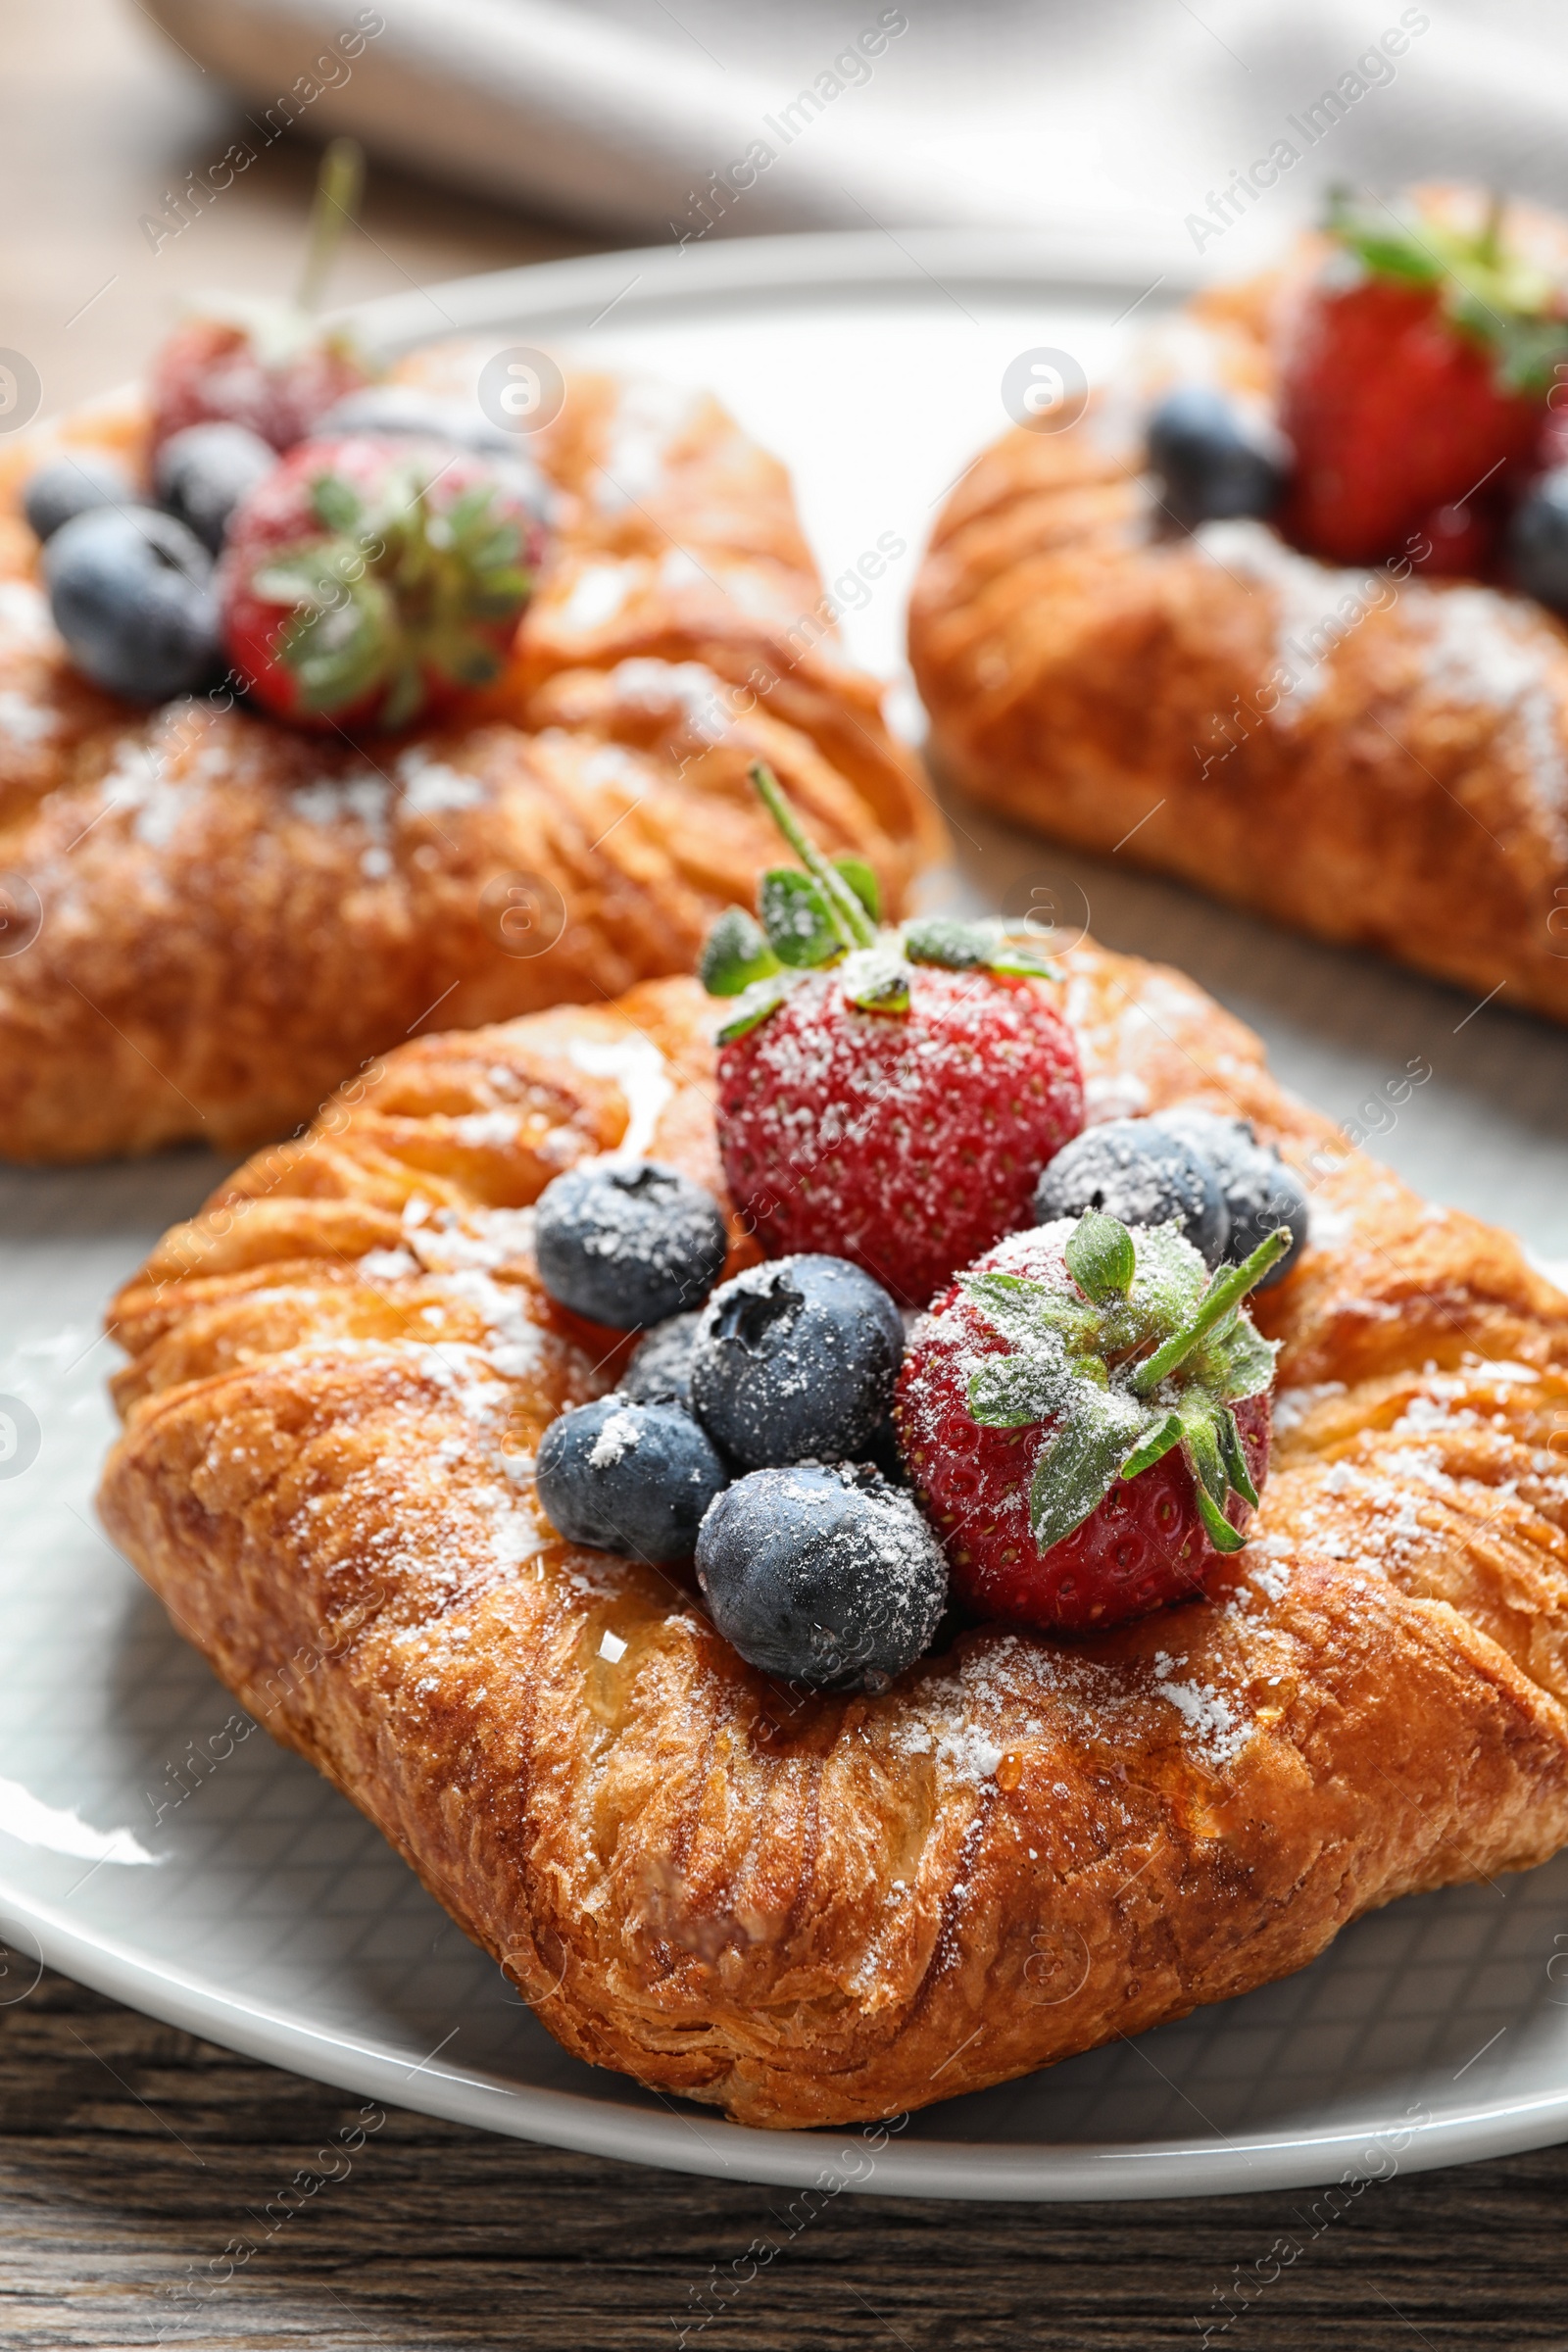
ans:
(69, 487)
(1538, 541)
(1261, 1192)
(1213, 458)
(629, 1477)
(1136, 1171)
(796, 1359)
(405, 411)
(202, 474)
(822, 1573)
(628, 1243)
(661, 1365)
(131, 591)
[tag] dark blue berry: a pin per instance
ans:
(628, 1243)
(822, 1573)
(1261, 1192)
(629, 1477)
(661, 1365)
(1538, 541)
(405, 413)
(132, 593)
(1139, 1171)
(69, 487)
(796, 1359)
(1213, 458)
(202, 474)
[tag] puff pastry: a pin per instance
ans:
(813, 1911)
(1364, 755)
(230, 917)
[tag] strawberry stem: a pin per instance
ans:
(1224, 1293)
(339, 185)
(848, 917)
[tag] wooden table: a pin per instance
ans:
(131, 2155)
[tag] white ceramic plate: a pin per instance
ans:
(217, 1883)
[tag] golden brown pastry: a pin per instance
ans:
(221, 916)
(815, 1910)
(1367, 756)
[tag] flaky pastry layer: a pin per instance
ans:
(812, 1910)
(222, 917)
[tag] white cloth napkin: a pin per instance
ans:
(684, 120)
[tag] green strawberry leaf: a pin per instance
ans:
(1101, 1257)
(335, 503)
(1008, 1391)
(938, 939)
(1158, 1439)
(877, 980)
(1077, 1468)
(753, 1007)
(734, 954)
(1234, 1456)
(1021, 957)
(797, 917)
(864, 882)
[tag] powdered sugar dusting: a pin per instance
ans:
(1219, 1730)
(639, 1069)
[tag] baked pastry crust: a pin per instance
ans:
(812, 1910)
(235, 914)
(1362, 755)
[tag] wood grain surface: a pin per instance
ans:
(131, 2156)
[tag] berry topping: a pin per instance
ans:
(659, 1367)
(1214, 459)
(796, 1359)
(822, 1573)
(371, 582)
(403, 412)
(1086, 1418)
(202, 475)
(887, 1097)
(69, 487)
(629, 1477)
(1417, 382)
(132, 594)
(628, 1243)
(1262, 1191)
(273, 367)
(1538, 541)
(1143, 1172)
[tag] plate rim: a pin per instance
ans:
(668, 279)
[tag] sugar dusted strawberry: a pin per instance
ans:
(1415, 384)
(886, 1096)
(1085, 1419)
(273, 367)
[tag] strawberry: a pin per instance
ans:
(884, 1096)
(1415, 382)
(369, 582)
(273, 367)
(1086, 1418)
(256, 364)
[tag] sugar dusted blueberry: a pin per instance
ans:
(628, 1243)
(795, 1358)
(72, 484)
(1262, 1192)
(202, 475)
(1141, 1173)
(630, 1477)
(822, 1573)
(1213, 460)
(661, 1365)
(132, 594)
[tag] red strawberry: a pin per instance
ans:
(1417, 376)
(894, 1100)
(272, 366)
(274, 373)
(1086, 1417)
(371, 582)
